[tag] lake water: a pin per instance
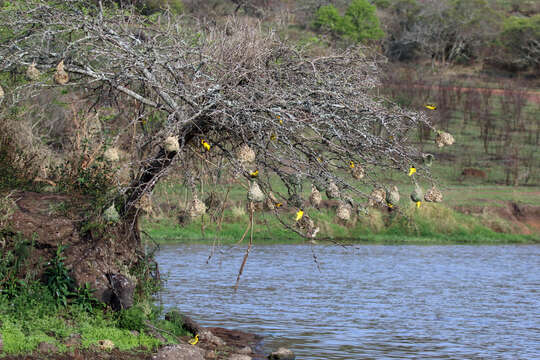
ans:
(367, 301)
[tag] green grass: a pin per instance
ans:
(29, 317)
(432, 223)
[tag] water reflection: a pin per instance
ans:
(367, 301)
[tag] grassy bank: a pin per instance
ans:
(31, 321)
(48, 313)
(432, 223)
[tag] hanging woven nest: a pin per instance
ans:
(308, 226)
(270, 205)
(315, 198)
(444, 138)
(145, 203)
(392, 196)
(255, 193)
(171, 144)
(377, 197)
(344, 211)
(272, 202)
(358, 172)
(427, 159)
(111, 155)
(332, 191)
(32, 73)
(433, 195)
(245, 154)
(61, 77)
(417, 195)
(111, 215)
(197, 207)
(2, 94)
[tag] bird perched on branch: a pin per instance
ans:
(195, 340)
(299, 215)
(205, 145)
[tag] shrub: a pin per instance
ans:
(359, 24)
(328, 19)
(132, 319)
(519, 39)
(58, 280)
(382, 4)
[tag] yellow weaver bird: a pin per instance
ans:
(278, 204)
(412, 170)
(280, 121)
(351, 164)
(418, 203)
(299, 215)
(431, 107)
(254, 174)
(273, 137)
(195, 340)
(205, 145)
(389, 205)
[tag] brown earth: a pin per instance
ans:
(85, 355)
(98, 256)
(525, 219)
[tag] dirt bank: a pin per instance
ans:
(524, 219)
(96, 252)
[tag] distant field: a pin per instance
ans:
(431, 223)
(497, 130)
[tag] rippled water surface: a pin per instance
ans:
(459, 302)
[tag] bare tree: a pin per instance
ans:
(305, 117)
(451, 30)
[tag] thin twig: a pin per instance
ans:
(251, 208)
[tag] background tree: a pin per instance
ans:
(519, 41)
(451, 30)
(359, 24)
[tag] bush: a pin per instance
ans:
(328, 19)
(58, 280)
(359, 24)
(382, 4)
(132, 319)
(519, 38)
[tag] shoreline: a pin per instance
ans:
(434, 224)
